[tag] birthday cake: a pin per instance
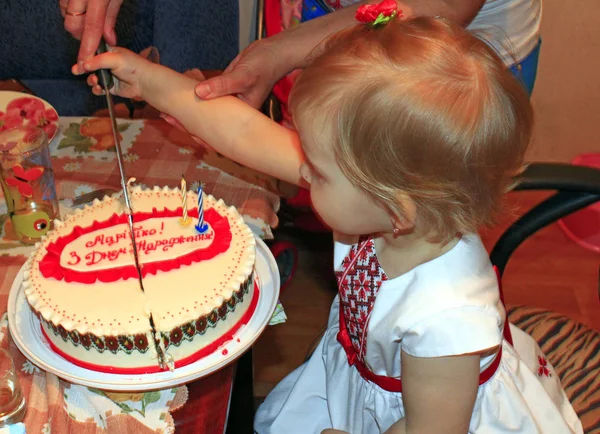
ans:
(192, 291)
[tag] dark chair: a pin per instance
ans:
(571, 347)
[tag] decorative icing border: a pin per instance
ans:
(122, 342)
(90, 341)
(199, 326)
(50, 266)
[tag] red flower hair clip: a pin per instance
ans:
(378, 13)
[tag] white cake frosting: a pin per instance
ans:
(82, 282)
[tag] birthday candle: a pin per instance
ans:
(184, 197)
(184, 220)
(201, 226)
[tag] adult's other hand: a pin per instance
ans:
(89, 21)
(250, 76)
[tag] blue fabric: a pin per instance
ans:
(37, 50)
(15, 428)
(313, 9)
(526, 69)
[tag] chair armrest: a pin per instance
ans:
(559, 176)
(577, 187)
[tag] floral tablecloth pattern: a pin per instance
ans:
(83, 160)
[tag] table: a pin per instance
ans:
(156, 154)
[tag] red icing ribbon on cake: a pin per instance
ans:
(50, 266)
(202, 352)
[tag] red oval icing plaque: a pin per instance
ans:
(103, 251)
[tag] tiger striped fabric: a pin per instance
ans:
(574, 351)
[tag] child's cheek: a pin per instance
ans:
(321, 205)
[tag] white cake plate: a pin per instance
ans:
(26, 332)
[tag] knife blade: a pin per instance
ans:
(106, 80)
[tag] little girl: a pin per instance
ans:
(408, 135)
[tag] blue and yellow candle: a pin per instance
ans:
(201, 227)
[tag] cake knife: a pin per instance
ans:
(107, 82)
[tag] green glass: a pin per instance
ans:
(27, 181)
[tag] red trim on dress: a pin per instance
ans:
(391, 384)
(203, 352)
(50, 266)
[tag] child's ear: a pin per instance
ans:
(406, 221)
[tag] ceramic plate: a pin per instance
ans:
(26, 332)
(18, 108)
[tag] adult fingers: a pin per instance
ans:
(234, 82)
(256, 96)
(103, 61)
(63, 5)
(93, 28)
(111, 20)
(75, 15)
(233, 63)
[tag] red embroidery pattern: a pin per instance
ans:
(543, 370)
(362, 277)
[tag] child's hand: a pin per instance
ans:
(128, 69)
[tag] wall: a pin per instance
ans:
(247, 22)
(567, 94)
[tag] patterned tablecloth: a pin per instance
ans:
(83, 160)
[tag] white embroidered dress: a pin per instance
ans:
(445, 307)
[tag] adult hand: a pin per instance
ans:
(250, 76)
(90, 20)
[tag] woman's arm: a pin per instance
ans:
(254, 72)
(298, 41)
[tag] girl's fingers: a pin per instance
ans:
(92, 80)
(102, 61)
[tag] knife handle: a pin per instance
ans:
(104, 75)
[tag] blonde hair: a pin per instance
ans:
(419, 107)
